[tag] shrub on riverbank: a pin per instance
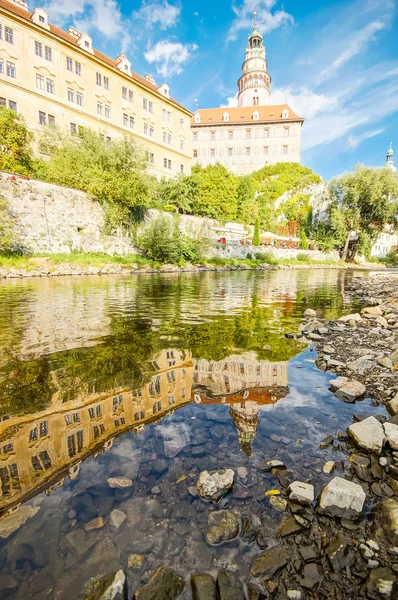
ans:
(15, 143)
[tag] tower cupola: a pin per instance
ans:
(254, 83)
(390, 158)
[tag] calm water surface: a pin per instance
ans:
(154, 378)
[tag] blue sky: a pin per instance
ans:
(335, 61)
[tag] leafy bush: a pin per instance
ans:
(161, 240)
(303, 257)
(256, 235)
(15, 140)
(303, 244)
(266, 257)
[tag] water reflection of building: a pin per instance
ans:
(37, 449)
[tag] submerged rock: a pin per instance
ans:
(382, 583)
(203, 587)
(119, 483)
(268, 465)
(339, 553)
(106, 587)
(341, 498)
(368, 434)
(289, 526)
(269, 563)
(14, 521)
(214, 485)
(164, 584)
(223, 525)
(230, 586)
(387, 514)
(303, 493)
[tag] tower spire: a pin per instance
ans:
(255, 21)
(390, 158)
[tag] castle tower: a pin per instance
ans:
(254, 83)
(390, 159)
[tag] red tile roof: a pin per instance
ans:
(71, 39)
(244, 114)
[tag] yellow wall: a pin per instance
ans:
(30, 100)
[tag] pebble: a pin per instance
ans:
(242, 472)
(329, 467)
(119, 482)
(294, 595)
(96, 523)
(373, 545)
(383, 461)
(373, 564)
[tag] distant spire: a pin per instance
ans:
(255, 20)
(390, 158)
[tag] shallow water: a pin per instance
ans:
(153, 378)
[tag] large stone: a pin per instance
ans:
(382, 583)
(223, 525)
(339, 553)
(341, 498)
(337, 383)
(351, 391)
(312, 576)
(214, 485)
(387, 513)
(289, 526)
(164, 585)
(353, 317)
(391, 432)
(230, 586)
(362, 365)
(14, 521)
(303, 493)
(268, 465)
(79, 542)
(392, 406)
(203, 587)
(269, 563)
(309, 313)
(371, 312)
(368, 434)
(106, 587)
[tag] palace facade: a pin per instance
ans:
(53, 77)
(253, 134)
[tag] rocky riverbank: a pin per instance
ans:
(44, 267)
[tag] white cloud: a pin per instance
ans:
(352, 47)
(354, 141)
(103, 16)
(267, 18)
(158, 13)
(170, 56)
(305, 102)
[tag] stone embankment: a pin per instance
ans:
(44, 267)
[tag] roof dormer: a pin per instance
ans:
(74, 32)
(256, 115)
(225, 116)
(285, 114)
(40, 17)
(164, 90)
(198, 118)
(21, 3)
(86, 43)
(123, 64)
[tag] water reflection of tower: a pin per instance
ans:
(245, 418)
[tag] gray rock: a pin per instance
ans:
(268, 465)
(223, 525)
(203, 587)
(391, 432)
(10, 524)
(294, 594)
(341, 498)
(164, 584)
(117, 518)
(214, 485)
(337, 550)
(351, 391)
(368, 434)
(300, 492)
(387, 513)
(79, 542)
(392, 406)
(106, 587)
(230, 586)
(329, 467)
(309, 313)
(269, 563)
(312, 576)
(289, 526)
(371, 311)
(353, 317)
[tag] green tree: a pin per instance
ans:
(363, 201)
(179, 194)
(217, 197)
(15, 140)
(247, 208)
(113, 173)
(256, 235)
(161, 239)
(303, 244)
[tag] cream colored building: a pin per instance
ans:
(55, 77)
(253, 134)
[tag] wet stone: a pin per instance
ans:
(269, 563)
(203, 587)
(382, 583)
(111, 587)
(230, 586)
(339, 554)
(249, 532)
(308, 553)
(253, 593)
(223, 525)
(312, 576)
(135, 561)
(268, 465)
(214, 485)
(163, 584)
(289, 526)
(119, 482)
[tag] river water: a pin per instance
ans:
(152, 378)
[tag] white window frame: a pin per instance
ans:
(71, 95)
(79, 99)
(40, 83)
(38, 49)
(69, 63)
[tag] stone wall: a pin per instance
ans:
(236, 251)
(53, 219)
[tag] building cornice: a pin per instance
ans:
(246, 123)
(51, 35)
